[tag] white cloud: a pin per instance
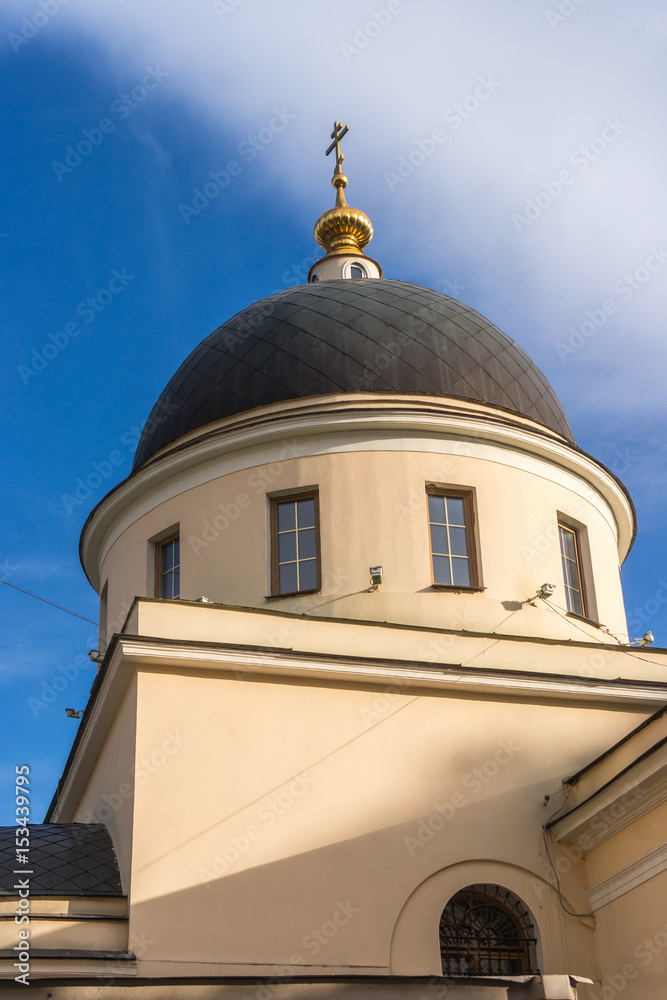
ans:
(557, 88)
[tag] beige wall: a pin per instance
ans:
(627, 845)
(302, 805)
(373, 510)
(631, 936)
(109, 794)
(631, 930)
(70, 925)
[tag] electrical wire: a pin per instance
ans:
(563, 614)
(486, 648)
(622, 648)
(52, 603)
(585, 916)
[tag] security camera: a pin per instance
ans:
(72, 714)
(646, 640)
(376, 576)
(546, 591)
(95, 656)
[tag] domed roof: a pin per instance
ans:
(366, 335)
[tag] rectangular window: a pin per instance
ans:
(168, 568)
(451, 520)
(295, 544)
(570, 553)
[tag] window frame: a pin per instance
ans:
(289, 497)
(159, 545)
(467, 494)
(579, 536)
(347, 270)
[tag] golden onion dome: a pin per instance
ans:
(343, 230)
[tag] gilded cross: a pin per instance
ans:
(337, 135)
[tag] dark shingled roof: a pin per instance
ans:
(66, 859)
(370, 335)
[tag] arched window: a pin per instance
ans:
(485, 930)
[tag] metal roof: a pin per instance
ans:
(368, 335)
(66, 859)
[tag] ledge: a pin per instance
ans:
(628, 878)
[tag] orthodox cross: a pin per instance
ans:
(337, 135)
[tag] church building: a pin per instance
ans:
(368, 723)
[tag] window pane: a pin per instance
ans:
(441, 572)
(461, 572)
(287, 547)
(458, 541)
(169, 584)
(569, 546)
(573, 573)
(308, 575)
(455, 510)
(306, 513)
(287, 578)
(176, 576)
(436, 509)
(439, 541)
(567, 575)
(286, 516)
(575, 603)
(307, 544)
(167, 553)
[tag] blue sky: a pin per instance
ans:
(511, 155)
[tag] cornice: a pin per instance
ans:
(628, 878)
(337, 424)
(244, 660)
(270, 661)
(631, 795)
(66, 966)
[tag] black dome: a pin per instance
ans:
(372, 335)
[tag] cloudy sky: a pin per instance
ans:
(164, 165)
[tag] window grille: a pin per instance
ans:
(485, 930)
